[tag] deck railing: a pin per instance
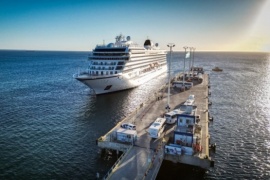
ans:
(119, 160)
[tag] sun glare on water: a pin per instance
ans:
(268, 102)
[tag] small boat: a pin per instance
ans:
(217, 69)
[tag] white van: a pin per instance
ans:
(128, 126)
(200, 77)
(180, 84)
(171, 117)
(190, 101)
(156, 129)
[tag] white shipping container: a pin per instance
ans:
(126, 135)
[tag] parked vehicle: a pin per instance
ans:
(180, 84)
(171, 117)
(156, 129)
(128, 126)
(126, 135)
(190, 101)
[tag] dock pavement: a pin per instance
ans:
(144, 157)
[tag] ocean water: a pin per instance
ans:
(49, 121)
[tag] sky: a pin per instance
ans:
(79, 25)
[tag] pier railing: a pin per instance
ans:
(119, 160)
(155, 163)
(143, 107)
(139, 112)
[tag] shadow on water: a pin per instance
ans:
(102, 112)
(170, 170)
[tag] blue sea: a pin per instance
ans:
(49, 121)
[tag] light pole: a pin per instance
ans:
(193, 61)
(190, 50)
(185, 47)
(170, 45)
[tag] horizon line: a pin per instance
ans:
(167, 50)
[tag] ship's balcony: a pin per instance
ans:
(97, 72)
(101, 63)
(107, 58)
(94, 74)
(102, 68)
(106, 54)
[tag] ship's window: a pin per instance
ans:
(111, 72)
(110, 50)
(120, 63)
(101, 72)
(119, 67)
(103, 68)
(96, 72)
(107, 72)
(187, 121)
(115, 72)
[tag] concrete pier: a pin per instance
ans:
(142, 158)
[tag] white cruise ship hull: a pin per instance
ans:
(123, 65)
(108, 84)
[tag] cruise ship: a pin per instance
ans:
(122, 65)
